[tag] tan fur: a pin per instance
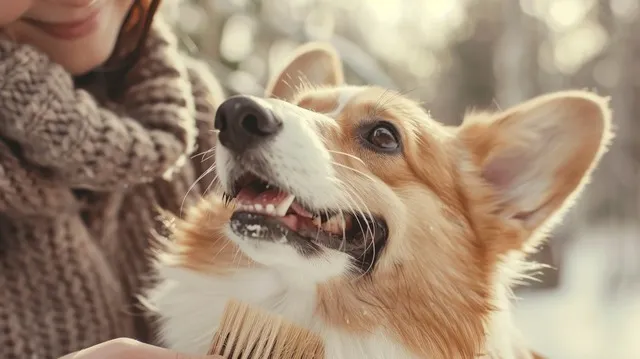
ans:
(303, 67)
(451, 219)
(199, 243)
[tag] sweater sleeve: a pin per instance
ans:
(88, 146)
(25, 192)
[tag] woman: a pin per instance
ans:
(101, 124)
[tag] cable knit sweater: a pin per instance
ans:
(81, 179)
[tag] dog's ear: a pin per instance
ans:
(312, 64)
(535, 157)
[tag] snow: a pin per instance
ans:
(587, 317)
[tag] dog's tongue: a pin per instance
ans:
(276, 203)
(270, 201)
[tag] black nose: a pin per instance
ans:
(243, 123)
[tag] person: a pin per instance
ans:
(104, 125)
(130, 349)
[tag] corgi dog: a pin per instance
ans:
(350, 211)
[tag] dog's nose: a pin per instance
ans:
(243, 123)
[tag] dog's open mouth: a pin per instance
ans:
(266, 212)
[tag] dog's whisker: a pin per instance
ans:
(343, 243)
(213, 181)
(353, 169)
(348, 202)
(352, 189)
(211, 150)
(369, 229)
(235, 256)
(348, 155)
(349, 192)
(353, 209)
(213, 154)
(204, 174)
(224, 246)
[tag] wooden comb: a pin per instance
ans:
(246, 332)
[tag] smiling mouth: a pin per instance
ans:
(266, 212)
(70, 30)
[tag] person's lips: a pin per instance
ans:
(71, 30)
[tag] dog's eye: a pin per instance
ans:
(383, 137)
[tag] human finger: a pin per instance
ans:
(124, 348)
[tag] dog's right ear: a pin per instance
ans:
(312, 64)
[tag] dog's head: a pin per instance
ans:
(358, 191)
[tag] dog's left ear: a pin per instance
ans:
(312, 64)
(537, 156)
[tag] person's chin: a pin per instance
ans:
(86, 61)
(85, 55)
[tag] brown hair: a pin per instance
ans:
(129, 45)
(133, 33)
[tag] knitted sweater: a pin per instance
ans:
(81, 179)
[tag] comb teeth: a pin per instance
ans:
(251, 333)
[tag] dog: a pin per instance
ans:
(351, 212)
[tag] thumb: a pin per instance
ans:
(125, 348)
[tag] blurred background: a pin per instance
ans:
(453, 55)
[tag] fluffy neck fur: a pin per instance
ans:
(190, 330)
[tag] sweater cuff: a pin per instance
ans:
(30, 84)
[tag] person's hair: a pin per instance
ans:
(133, 34)
(128, 47)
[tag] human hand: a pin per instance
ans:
(131, 349)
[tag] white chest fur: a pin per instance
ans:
(191, 304)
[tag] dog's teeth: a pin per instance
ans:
(258, 207)
(328, 226)
(347, 222)
(270, 209)
(283, 207)
(335, 224)
(317, 221)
